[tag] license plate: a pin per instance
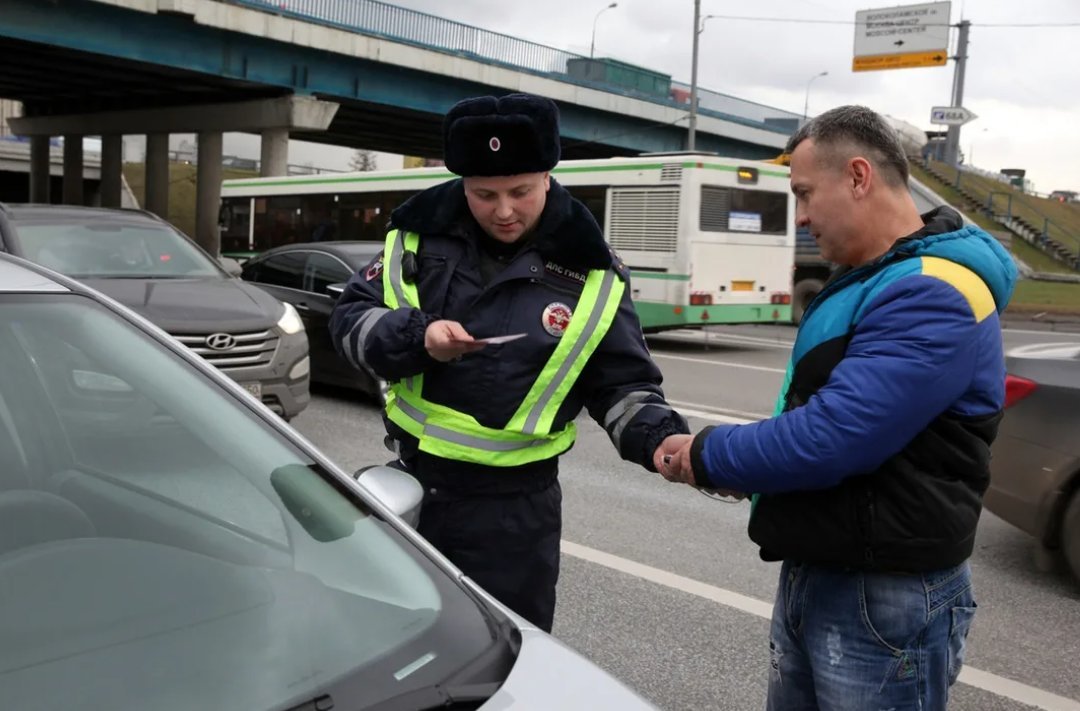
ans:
(742, 286)
(254, 388)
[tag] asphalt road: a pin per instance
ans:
(661, 586)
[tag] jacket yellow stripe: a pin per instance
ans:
(967, 282)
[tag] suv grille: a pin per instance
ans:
(233, 350)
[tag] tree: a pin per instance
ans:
(362, 160)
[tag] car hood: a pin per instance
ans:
(194, 306)
(549, 675)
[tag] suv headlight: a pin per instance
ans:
(290, 321)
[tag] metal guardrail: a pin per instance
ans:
(380, 19)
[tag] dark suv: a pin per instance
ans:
(148, 265)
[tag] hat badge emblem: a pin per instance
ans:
(494, 144)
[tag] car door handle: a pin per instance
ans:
(301, 306)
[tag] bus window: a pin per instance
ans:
(279, 223)
(594, 197)
(317, 218)
(234, 218)
(738, 210)
(366, 216)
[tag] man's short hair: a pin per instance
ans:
(847, 131)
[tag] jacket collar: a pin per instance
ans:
(941, 220)
(566, 234)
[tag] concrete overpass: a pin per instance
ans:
(379, 78)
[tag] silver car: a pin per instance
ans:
(166, 543)
(1035, 469)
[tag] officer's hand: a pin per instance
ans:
(447, 340)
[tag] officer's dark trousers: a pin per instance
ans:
(506, 542)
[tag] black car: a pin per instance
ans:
(303, 275)
(151, 267)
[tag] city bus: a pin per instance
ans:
(708, 240)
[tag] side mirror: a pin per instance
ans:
(397, 490)
(231, 266)
(336, 290)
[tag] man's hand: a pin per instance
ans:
(678, 468)
(447, 340)
(667, 449)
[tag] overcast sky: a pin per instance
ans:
(1021, 82)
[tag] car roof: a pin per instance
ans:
(19, 275)
(346, 249)
(337, 245)
(31, 211)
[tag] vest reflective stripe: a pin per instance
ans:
(396, 292)
(447, 433)
(527, 437)
(600, 297)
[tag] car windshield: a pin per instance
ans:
(100, 248)
(163, 547)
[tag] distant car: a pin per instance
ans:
(303, 275)
(1035, 469)
(167, 543)
(148, 265)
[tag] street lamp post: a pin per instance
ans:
(699, 27)
(806, 104)
(592, 45)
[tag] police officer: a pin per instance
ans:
(503, 251)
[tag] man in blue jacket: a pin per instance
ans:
(503, 252)
(869, 480)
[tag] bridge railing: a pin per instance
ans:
(372, 17)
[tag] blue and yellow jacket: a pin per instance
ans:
(880, 454)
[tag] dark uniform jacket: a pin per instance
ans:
(455, 280)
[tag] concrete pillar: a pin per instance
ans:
(275, 152)
(112, 157)
(208, 192)
(156, 197)
(39, 169)
(73, 169)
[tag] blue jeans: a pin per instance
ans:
(850, 641)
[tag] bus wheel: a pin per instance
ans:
(805, 291)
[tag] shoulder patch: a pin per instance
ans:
(375, 269)
(967, 282)
(557, 270)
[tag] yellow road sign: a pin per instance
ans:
(909, 60)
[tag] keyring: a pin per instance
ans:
(723, 498)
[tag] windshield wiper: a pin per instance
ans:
(437, 697)
(425, 699)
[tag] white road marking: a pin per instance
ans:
(724, 363)
(712, 416)
(720, 414)
(971, 676)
